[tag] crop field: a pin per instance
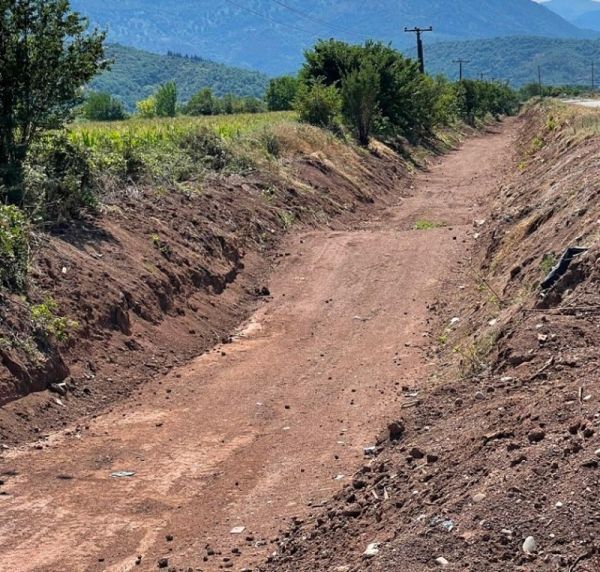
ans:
(137, 133)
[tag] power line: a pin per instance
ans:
(269, 19)
(312, 18)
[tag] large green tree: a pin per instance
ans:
(47, 54)
(281, 93)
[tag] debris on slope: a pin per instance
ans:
(498, 468)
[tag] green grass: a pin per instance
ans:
(423, 224)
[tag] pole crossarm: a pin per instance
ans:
(418, 31)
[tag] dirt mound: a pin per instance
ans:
(158, 277)
(498, 466)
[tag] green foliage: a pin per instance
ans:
(166, 100)
(319, 105)
(480, 98)
(281, 93)
(146, 108)
(48, 325)
(46, 55)
(360, 96)
(136, 75)
(100, 106)
(548, 262)
(58, 183)
(201, 103)
(14, 247)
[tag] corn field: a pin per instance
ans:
(135, 133)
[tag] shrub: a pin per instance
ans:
(319, 105)
(48, 325)
(58, 180)
(100, 106)
(146, 108)
(281, 93)
(201, 103)
(166, 100)
(360, 95)
(14, 248)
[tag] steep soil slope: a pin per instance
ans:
(496, 465)
(159, 276)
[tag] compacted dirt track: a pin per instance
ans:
(255, 432)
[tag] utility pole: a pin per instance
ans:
(419, 31)
(540, 80)
(593, 76)
(460, 63)
(481, 76)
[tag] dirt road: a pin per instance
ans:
(253, 433)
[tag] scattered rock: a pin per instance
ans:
(372, 550)
(479, 497)
(530, 545)
(441, 561)
(237, 530)
(396, 430)
(163, 562)
(536, 436)
(416, 453)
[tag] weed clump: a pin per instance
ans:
(14, 248)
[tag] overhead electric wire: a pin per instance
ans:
(313, 18)
(269, 19)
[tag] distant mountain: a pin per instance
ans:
(562, 62)
(271, 35)
(571, 10)
(589, 20)
(135, 74)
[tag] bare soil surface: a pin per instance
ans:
(259, 432)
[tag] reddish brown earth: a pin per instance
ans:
(265, 429)
(161, 275)
(503, 443)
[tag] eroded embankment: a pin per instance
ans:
(501, 445)
(159, 276)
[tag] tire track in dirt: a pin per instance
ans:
(255, 431)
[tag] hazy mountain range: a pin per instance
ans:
(270, 35)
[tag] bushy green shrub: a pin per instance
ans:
(319, 105)
(281, 93)
(58, 180)
(408, 104)
(166, 100)
(48, 325)
(101, 106)
(14, 247)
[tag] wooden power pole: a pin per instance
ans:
(460, 63)
(419, 31)
(593, 76)
(540, 80)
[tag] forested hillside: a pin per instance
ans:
(271, 36)
(563, 62)
(135, 74)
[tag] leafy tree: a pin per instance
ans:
(281, 93)
(146, 108)
(360, 95)
(202, 103)
(319, 105)
(46, 56)
(101, 106)
(166, 100)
